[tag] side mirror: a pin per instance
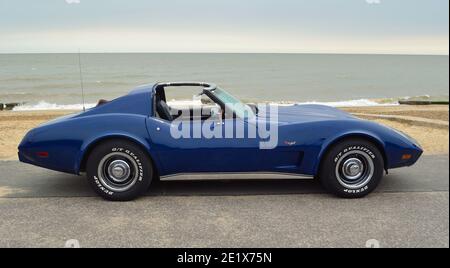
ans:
(254, 107)
(216, 113)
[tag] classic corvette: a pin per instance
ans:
(124, 144)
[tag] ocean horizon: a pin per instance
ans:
(52, 80)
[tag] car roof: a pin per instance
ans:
(143, 89)
(151, 88)
(205, 85)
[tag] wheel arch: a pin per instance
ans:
(87, 149)
(365, 136)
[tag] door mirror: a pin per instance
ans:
(254, 108)
(216, 113)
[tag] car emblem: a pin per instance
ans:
(290, 143)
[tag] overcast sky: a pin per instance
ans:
(299, 26)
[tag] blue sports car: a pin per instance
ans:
(124, 144)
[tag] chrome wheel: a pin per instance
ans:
(118, 172)
(354, 169)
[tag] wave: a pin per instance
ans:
(349, 103)
(355, 103)
(43, 105)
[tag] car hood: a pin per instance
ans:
(310, 113)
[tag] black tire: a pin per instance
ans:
(352, 168)
(119, 170)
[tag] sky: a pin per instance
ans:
(243, 26)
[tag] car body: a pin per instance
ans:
(305, 134)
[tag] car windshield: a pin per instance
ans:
(232, 104)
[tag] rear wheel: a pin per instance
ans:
(119, 170)
(352, 168)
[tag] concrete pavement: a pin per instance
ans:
(44, 208)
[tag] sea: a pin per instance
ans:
(53, 81)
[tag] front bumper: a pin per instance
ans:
(399, 160)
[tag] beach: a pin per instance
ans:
(427, 124)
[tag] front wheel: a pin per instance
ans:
(119, 170)
(352, 168)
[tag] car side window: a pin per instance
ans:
(185, 103)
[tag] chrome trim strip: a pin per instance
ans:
(205, 85)
(234, 176)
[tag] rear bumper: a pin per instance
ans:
(23, 158)
(46, 155)
(27, 158)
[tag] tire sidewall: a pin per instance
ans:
(328, 169)
(140, 158)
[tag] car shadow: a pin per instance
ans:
(33, 182)
(234, 187)
(19, 181)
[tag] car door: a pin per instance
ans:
(198, 153)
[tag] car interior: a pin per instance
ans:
(201, 108)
